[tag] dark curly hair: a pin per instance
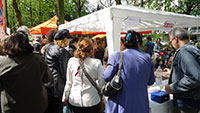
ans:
(18, 44)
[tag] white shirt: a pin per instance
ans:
(78, 89)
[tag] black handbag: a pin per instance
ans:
(113, 86)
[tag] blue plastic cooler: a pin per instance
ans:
(159, 96)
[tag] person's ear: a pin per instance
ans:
(176, 39)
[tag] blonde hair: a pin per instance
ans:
(84, 49)
(62, 43)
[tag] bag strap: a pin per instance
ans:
(89, 77)
(92, 81)
(120, 64)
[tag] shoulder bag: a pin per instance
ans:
(113, 86)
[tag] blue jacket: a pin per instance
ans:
(137, 73)
(185, 76)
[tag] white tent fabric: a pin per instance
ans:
(117, 19)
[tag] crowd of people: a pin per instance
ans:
(49, 73)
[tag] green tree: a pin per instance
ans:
(34, 12)
(71, 10)
(189, 7)
(79, 5)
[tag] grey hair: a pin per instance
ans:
(180, 33)
(25, 29)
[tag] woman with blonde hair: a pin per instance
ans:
(81, 95)
(57, 58)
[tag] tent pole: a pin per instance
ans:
(113, 31)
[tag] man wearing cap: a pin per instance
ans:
(57, 58)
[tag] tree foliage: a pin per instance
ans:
(189, 7)
(35, 12)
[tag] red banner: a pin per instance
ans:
(1, 15)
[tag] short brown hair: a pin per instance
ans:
(50, 35)
(85, 48)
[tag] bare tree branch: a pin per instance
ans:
(83, 4)
(102, 3)
(179, 7)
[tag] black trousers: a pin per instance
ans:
(92, 109)
(181, 110)
(54, 105)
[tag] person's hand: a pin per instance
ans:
(166, 72)
(168, 90)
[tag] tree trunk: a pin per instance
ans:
(79, 6)
(31, 14)
(79, 12)
(189, 6)
(142, 3)
(40, 12)
(118, 2)
(18, 13)
(60, 11)
(135, 2)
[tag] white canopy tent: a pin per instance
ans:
(117, 19)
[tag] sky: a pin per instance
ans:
(93, 2)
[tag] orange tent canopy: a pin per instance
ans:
(44, 28)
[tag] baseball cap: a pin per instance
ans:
(61, 34)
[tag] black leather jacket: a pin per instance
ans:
(185, 76)
(57, 59)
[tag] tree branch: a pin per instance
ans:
(102, 3)
(179, 7)
(17, 11)
(81, 5)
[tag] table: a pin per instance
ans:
(166, 107)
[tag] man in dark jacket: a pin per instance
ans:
(57, 58)
(184, 81)
(72, 46)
